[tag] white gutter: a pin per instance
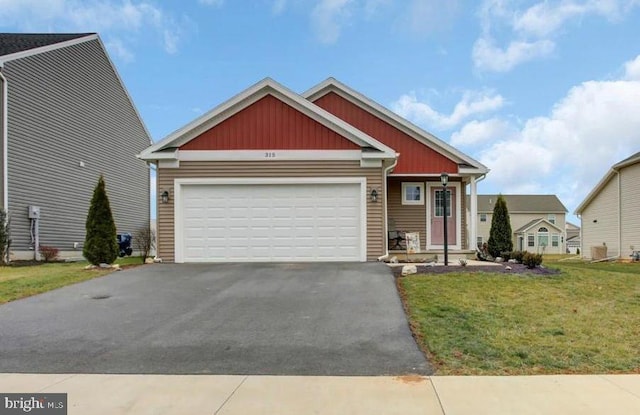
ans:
(5, 143)
(386, 213)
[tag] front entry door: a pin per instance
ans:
(437, 216)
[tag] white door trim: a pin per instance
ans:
(178, 208)
(428, 193)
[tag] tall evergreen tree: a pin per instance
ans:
(100, 245)
(500, 234)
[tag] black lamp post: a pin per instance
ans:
(444, 179)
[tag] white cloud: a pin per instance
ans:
(278, 6)
(215, 3)
(487, 56)
(531, 33)
(428, 16)
(116, 48)
(632, 69)
(123, 19)
(327, 19)
(595, 125)
(472, 103)
(477, 132)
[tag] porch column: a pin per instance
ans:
(473, 220)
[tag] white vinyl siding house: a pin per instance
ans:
(610, 214)
(528, 214)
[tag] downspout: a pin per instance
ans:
(5, 142)
(386, 213)
(619, 215)
(473, 235)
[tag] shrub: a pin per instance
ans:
(500, 233)
(144, 240)
(5, 242)
(578, 251)
(100, 244)
(49, 253)
(531, 260)
(506, 255)
(518, 256)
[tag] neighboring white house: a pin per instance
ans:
(572, 237)
(537, 221)
(610, 214)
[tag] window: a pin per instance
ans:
(413, 193)
(555, 240)
(531, 241)
(551, 218)
(479, 241)
(483, 217)
(440, 203)
(543, 237)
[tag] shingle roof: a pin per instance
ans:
(523, 203)
(18, 42)
(627, 160)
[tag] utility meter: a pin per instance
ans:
(34, 212)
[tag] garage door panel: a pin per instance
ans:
(273, 222)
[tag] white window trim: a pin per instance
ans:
(551, 218)
(413, 202)
(178, 202)
(459, 213)
(485, 217)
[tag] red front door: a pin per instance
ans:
(437, 216)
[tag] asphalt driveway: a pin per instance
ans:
(276, 319)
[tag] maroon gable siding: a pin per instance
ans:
(415, 157)
(269, 124)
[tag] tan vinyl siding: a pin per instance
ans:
(69, 121)
(604, 210)
(407, 218)
(630, 209)
(232, 169)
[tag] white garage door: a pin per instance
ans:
(271, 222)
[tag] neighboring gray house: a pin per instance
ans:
(537, 222)
(610, 214)
(572, 237)
(65, 118)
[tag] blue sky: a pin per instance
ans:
(545, 93)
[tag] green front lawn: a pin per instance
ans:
(584, 320)
(23, 281)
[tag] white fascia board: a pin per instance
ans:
(367, 104)
(266, 155)
(254, 93)
(537, 223)
(161, 155)
(47, 48)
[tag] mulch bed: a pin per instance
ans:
(502, 269)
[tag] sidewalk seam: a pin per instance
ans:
(230, 395)
(618, 386)
(58, 382)
(437, 395)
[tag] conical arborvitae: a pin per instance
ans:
(500, 234)
(100, 245)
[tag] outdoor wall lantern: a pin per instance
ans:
(374, 195)
(444, 179)
(165, 197)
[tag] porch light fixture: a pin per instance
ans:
(374, 195)
(165, 197)
(444, 179)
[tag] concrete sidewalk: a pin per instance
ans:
(282, 395)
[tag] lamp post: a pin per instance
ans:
(444, 179)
